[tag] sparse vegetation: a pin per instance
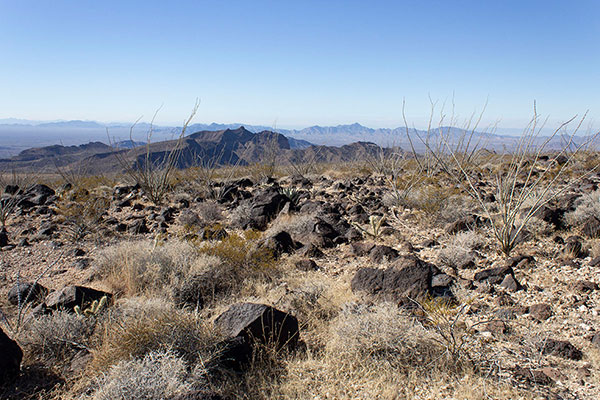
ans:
(154, 175)
(419, 306)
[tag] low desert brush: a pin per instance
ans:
(137, 327)
(82, 211)
(140, 267)
(587, 207)
(157, 375)
(241, 251)
(55, 338)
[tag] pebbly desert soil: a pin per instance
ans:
(410, 299)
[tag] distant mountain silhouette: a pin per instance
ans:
(223, 147)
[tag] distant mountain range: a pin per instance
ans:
(228, 146)
(18, 135)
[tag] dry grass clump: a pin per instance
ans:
(209, 212)
(132, 268)
(55, 338)
(137, 327)
(587, 206)
(382, 352)
(156, 376)
(460, 250)
(382, 334)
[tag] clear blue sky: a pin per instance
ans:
(297, 63)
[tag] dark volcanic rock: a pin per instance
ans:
(259, 323)
(585, 286)
(360, 249)
(541, 312)
(493, 275)
(138, 227)
(561, 348)
(264, 207)
(529, 375)
(382, 253)
(71, 296)
(3, 237)
(280, 243)
(510, 283)
(25, 292)
(407, 277)
(37, 195)
(306, 265)
(10, 358)
(463, 224)
(310, 250)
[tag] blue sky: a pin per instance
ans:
(298, 63)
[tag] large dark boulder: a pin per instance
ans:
(381, 253)
(10, 358)
(259, 323)
(26, 292)
(264, 207)
(37, 195)
(407, 277)
(71, 296)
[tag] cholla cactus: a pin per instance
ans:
(93, 309)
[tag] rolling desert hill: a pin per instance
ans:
(229, 146)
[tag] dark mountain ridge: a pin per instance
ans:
(224, 147)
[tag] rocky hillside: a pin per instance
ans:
(299, 287)
(225, 147)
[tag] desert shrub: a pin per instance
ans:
(136, 267)
(459, 251)
(155, 175)
(587, 206)
(429, 198)
(537, 227)
(82, 211)
(208, 280)
(55, 338)
(240, 216)
(188, 218)
(156, 376)
(381, 333)
(456, 207)
(209, 212)
(241, 252)
(136, 327)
